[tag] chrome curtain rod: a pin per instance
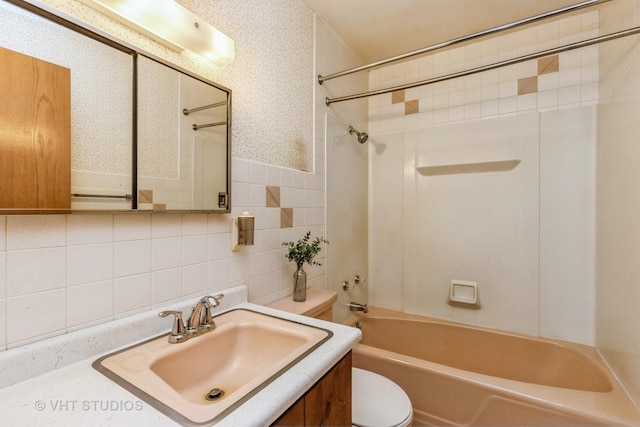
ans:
(208, 125)
(322, 79)
(571, 46)
(204, 107)
(103, 196)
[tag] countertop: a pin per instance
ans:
(52, 382)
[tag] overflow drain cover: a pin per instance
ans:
(214, 394)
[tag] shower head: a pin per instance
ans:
(362, 136)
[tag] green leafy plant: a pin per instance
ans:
(302, 251)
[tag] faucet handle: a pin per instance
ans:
(210, 302)
(178, 326)
(216, 300)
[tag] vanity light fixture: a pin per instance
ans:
(171, 25)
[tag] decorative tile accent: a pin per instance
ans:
(397, 97)
(286, 217)
(550, 64)
(145, 196)
(412, 107)
(527, 85)
(159, 207)
(273, 197)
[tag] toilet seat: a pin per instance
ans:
(378, 402)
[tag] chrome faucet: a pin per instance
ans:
(354, 306)
(200, 320)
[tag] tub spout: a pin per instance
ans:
(354, 306)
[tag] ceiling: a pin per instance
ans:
(379, 29)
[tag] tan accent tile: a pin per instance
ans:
(159, 207)
(527, 85)
(286, 217)
(273, 197)
(397, 97)
(549, 64)
(412, 107)
(145, 196)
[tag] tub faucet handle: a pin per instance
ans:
(354, 306)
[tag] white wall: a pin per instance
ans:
(509, 227)
(618, 213)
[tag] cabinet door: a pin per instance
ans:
(294, 417)
(329, 402)
(35, 137)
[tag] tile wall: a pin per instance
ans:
(565, 80)
(426, 116)
(59, 273)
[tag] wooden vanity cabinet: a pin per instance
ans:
(327, 403)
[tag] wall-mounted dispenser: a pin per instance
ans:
(242, 229)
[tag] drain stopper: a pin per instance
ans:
(214, 394)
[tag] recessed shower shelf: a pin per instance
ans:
(458, 168)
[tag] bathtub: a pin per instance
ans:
(463, 375)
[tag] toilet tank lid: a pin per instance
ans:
(378, 401)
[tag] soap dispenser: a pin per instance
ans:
(242, 231)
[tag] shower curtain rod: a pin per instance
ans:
(571, 8)
(571, 46)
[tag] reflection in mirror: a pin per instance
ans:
(101, 103)
(182, 140)
(117, 149)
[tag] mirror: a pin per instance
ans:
(182, 140)
(131, 145)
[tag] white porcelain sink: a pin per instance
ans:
(245, 352)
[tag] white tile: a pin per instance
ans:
(36, 270)
(239, 170)
(548, 81)
(3, 233)
(89, 303)
(131, 294)
(571, 77)
(36, 231)
(83, 229)
(3, 324)
(89, 263)
(257, 264)
(220, 246)
(286, 177)
(219, 272)
(132, 227)
(195, 249)
(257, 195)
(166, 225)
(240, 267)
(36, 315)
(219, 223)
(257, 173)
(132, 257)
(166, 285)
(194, 224)
(3, 274)
(240, 194)
(273, 176)
(166, 253)
(195, 279)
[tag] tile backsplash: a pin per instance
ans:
(60, 273)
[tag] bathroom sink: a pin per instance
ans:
(205, 378)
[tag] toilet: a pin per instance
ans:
(376, 401)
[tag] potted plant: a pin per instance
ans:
(302, 252)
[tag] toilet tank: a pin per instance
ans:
(319, 304)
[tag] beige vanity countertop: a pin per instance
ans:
(73, 393)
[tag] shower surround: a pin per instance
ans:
(497, 177)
